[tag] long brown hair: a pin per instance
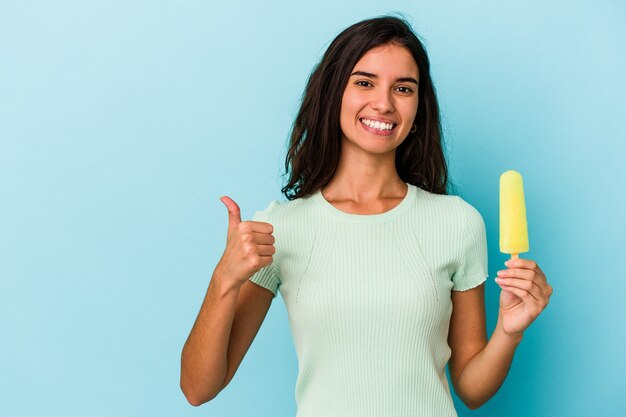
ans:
(315, 138)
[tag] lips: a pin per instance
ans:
(379, 119)
(379, 132)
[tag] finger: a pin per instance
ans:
(528, 300)
(521, 263)
(524, 285)
(517, 273)
(263, 238)
(529, 264)
(234, 213)
(260, 227)
(528, 274)
(265, 250)
(531, 303)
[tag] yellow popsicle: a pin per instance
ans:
(513, 225)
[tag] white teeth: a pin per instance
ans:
(377, 125)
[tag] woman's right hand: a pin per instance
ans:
(249, 246)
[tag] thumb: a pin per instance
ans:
(234, 213)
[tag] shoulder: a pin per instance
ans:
(447, 208)
(295, 224)
(284, 210)
(471, 216)
(447, 219)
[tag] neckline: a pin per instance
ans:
(368, 218)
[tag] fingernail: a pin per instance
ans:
(508, 263)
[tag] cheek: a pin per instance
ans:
(351, 102)
(349, 111)
(410, 111)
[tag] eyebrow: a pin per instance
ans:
(369, 74)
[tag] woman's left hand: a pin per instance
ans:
(525, 294)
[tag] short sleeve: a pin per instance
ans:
(267, 277)
(472, 269)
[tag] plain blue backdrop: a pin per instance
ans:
(122, 123)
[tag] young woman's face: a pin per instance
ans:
(381, 91)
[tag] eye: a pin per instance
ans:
(364, 82)
(407, 89)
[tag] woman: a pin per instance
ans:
(382, 273)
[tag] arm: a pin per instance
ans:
(478, 367)
(232, 311)
(229, 319)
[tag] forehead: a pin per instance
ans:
(389, 59)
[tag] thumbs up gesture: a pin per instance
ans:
(249, 246)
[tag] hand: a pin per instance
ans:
(525, 294)
(249, 246)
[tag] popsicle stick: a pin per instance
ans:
(514, 256)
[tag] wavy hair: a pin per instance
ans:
(315, 137)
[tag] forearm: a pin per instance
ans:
(484, 373)
(204, 357)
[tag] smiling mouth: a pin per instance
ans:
(378, 126)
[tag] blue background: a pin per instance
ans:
(122, 123)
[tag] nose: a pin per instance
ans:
(382, 101)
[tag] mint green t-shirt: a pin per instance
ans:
(368, 300)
